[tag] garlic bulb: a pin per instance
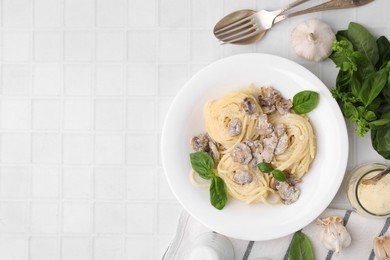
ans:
(382, 247)
(333, 234)
(313, 40)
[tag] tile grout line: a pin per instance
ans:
(32, 56)
(60, 226)
(2, 16)
(123, 136)
(1, 40)
(92, 128)
(157, 115)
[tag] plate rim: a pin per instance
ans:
(337, 113)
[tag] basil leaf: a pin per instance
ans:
(265, 167)
(305, 101)
(375, 104)
(383, 45)
(301, 248)
(341, 48)
(361, 110)
(339, 60)
(218, 193)
(370, 116)
(383, 50)
(363, 41)
(362, 127)
(279, 175)
(385, 59)
(203, 164)
(356, 86)
(386, 115)
(350, 111)
(386, 90)
(372, 86)
(342, 34)
(382, 135)
(380, 139)
(374, 139)
(380, 122)
(343, 79)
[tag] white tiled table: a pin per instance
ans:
(84, 87)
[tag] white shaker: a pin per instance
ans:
(212, 246)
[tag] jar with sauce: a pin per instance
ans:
(369, 199)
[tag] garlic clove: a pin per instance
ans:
(333, 234)
(313, 40)
(382, 247)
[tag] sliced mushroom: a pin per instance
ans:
(257, 158)
(234, 127)
(255, 146)
(267, 155)
(263, 127)
(214, 151)
(241, 153)
(279, 129)
(256, 149)
(269, 145)
(268, 109)
(283, 106)
(288, 193)
(292, 180)
(248, 105)
(270, 141)
(200, 143)
(243, 177)
(268, 96)
(282, 145)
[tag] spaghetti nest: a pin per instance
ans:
(219, 113)
(258, 190)
(302, 144)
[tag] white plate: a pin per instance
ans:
(255, 221)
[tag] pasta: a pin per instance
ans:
(252, 126)
(218, 114)
(301, 150)
(256, 191)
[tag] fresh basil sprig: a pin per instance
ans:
(203, 164)
(267, 168)
(305, 101)
(363, 83)
(301, 248)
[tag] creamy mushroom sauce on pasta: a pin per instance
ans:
(249, 127)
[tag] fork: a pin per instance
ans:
(256, 23)
(261, 21)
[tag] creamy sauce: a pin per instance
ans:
(375, 198)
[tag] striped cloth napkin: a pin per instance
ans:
(362, 230)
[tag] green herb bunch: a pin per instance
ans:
(363, 83)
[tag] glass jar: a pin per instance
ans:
(212, 246)
(369, 199)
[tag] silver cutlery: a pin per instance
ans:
(247, 26)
